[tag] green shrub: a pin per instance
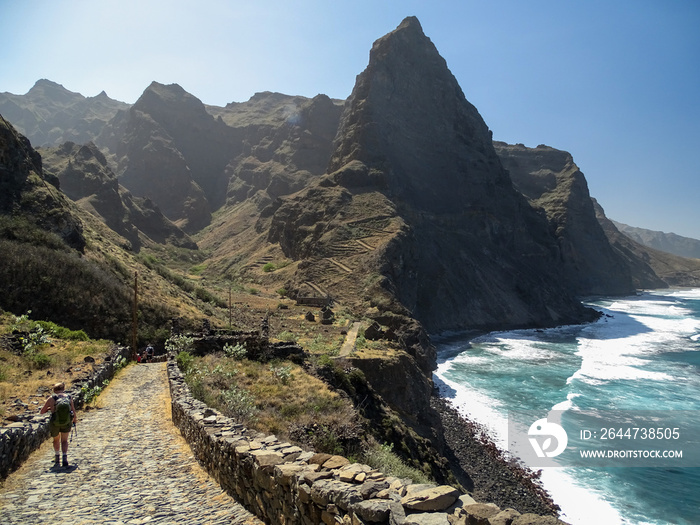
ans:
(238, 404)
(40, 360)
(326, 441)
(237, 351)
(324, 361)
(269, 267)
(286, 336)
(148, 260)
(120, 363)
(283, 373)
(208, 297)
(184, 361)
(21, 323)
(383, 458)
(34, 339)
(178, 343)
(90, 394)
(197, 388)
(62, 332)
(176, 279)
(198, 269)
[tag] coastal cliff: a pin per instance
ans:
(414, 173)
(551, 180)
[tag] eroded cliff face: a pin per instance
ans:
(27, 192)
(650, 268)
(171, 150)
(551, 180)
(87, 179)
(286, 143)
(192, 159)
(662, 241)
(415, 177)
(597, 259)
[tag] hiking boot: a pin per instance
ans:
(65, 461)
(57, 460)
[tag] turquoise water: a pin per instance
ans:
(642, 355)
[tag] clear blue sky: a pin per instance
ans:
(614, 82)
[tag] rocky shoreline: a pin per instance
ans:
(489, 475)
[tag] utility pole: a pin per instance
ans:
(230, 309)
(134, 318)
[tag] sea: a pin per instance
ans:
(628, 382)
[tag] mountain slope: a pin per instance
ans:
(65, 265)
(414, 176)
(665, 242)
(49, 115)
(650, 268)
(550, 179)
(86, 178)
(286, 142)
(25, 191)
(191, 159)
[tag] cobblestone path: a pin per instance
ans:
(349, 344)
(129, 465)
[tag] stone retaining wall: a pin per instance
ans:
(19, 439)
(285, 485)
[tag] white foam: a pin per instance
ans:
(609, 360)
(519, 345)
(617, 349)
(476, 406)
(622, 349)
(521, 350)
(579, 505)
(471, 358)
(691, 293)
(568, 404)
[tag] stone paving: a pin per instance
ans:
(129, 465)
(349, 344)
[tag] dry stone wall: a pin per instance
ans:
(285, 485)
(21, 438)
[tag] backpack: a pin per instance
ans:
(62, 415)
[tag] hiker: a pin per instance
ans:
(62, 416)
(149, 353)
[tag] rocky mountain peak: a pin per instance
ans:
(408, 36)
(415, 160)
(168, 93)
(48, 90)
(102, 95)
(161, 101)
(49, 114)
(408, 118)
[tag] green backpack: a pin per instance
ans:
(62, 415)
